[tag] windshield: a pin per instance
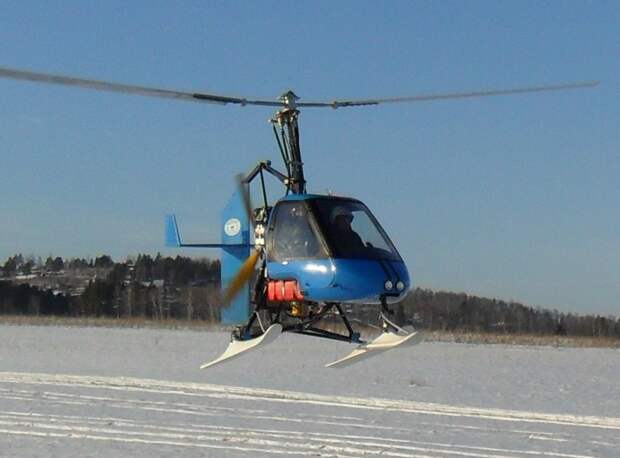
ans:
(352, 231)
(293, 234)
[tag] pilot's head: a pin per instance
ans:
(341, 217)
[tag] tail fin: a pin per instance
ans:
(235, 251)
(173, 239)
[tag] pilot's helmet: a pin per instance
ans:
(341, 210)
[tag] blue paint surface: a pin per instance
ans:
(233, 258)
(343, 280)
(172, 232)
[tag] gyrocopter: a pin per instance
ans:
(291, 265)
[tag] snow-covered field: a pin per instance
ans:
(138, 392)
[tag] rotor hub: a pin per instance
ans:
(289, 99)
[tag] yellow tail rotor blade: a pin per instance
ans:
(243, 276)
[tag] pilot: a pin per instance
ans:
(348, 242)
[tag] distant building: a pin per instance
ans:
(154, 283)
(36, 271)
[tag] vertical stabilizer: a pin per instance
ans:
(235, 230)
(173, 239)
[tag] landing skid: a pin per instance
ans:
(386, 341)
(239, 347)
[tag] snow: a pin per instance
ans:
(138, 392)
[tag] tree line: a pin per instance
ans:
(147, 287)
(184, 288)
(26, 265)
(448, 311)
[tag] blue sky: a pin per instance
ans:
(510, 197)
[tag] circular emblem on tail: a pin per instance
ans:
(232, 227)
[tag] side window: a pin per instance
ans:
(292, 235)
(352, 232)
(366, 229)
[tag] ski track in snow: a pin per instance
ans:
(68, 415)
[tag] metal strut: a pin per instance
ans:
(307, 327)
(288, 143)
(386, 323)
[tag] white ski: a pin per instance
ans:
(386, 341)
(239, 347)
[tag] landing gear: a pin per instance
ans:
(392, 336)
(388, 325)
(262, 330)
(300, 323)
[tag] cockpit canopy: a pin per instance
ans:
(324, 226)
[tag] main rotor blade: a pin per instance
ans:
(450, 95)
(26, 75)
(241, 278)
(131, 89)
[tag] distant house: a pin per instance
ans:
(155, 283)
(77, 291)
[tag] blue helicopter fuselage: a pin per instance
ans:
(332, 247)
(333, 269)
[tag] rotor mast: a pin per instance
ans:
(288, 141)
